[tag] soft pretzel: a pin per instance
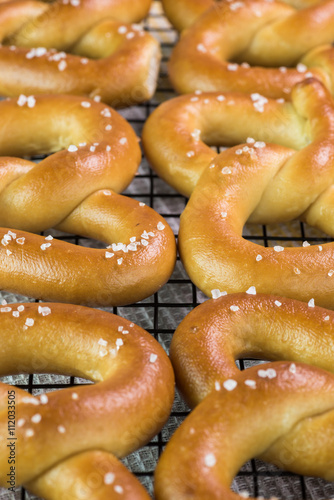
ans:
(183, 13)
(215, 54)
(231, 423)
(254, 181)
(73, 191)
(67, 441)
(282, 410)
(78, 47)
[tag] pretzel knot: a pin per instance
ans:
(184, 13)
(78, 47)
(87, 426)
(247, 46)
(73, 191)
(259, 182)
(281, 412)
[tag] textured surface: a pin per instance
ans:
(162, 313)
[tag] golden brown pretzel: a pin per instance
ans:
(261, 182)
(96, 153)
(67, 441)
(266, 412)
(78, 47)
(255, 46)
(204, 349)
(183, 13)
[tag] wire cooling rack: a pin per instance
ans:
(161, 313)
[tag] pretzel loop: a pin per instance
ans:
(73, 190)
(85, 424)
(106, 58)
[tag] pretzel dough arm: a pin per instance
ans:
(75, 21)
(287, 40)
(126, 48)
(251, 419)
(296, 451)
(185, 12)
(14, 15)
(124, 273)
(86, 476)
(211, 338)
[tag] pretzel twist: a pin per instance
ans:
(253, 416)
(239, 408)
(67, 441)
(73, 191)
(184, 13)
(269, 36)
(106, 58)
(254, 181)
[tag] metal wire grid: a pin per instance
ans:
(161, 313)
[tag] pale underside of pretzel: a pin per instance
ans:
(75, 190)
(255, 46)
(67, 442)
(107, 59)
(257, 182)
(183, 13)
(263, 413)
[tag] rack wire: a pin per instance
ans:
(162, 313)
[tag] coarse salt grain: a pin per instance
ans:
(153, 358)
(251, 290)
(44, 311)
(250, 383)
(210, 460)
(44, 246)
(109, 478)
(230, 384)
(62, 65)
(311, 303)
(293, 368)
